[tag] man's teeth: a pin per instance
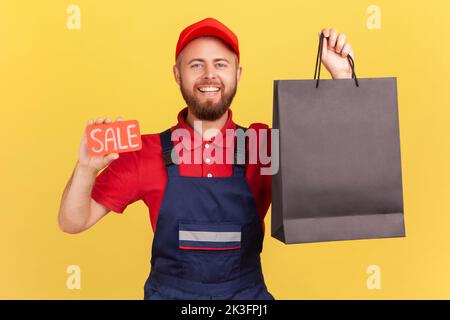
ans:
(209, 89)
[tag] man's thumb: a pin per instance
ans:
(324, 48)
(110, 157)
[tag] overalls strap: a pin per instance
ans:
(167, 146)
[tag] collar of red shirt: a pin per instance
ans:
(229, 124)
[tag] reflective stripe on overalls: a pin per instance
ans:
(208, 238)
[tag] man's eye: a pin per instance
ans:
(195, 65)
(221, 65)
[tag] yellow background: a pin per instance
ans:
(53, 79)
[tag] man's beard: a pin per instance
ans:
(208, 110)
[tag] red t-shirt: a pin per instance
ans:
(141, 175)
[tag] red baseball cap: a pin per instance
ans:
(208, 27)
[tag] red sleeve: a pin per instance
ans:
(261, 185)
(118, 185)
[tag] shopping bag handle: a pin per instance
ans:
(319, 63)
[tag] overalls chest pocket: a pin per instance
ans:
(210, 252)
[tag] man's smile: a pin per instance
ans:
(209, 91)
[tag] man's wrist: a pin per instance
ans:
(86, 170)
(342, 75)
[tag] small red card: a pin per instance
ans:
(114, 137)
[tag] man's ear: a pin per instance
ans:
(176, 73)
(239, 73)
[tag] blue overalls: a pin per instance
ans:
(208, 238)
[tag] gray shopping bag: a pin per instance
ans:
(340, 168)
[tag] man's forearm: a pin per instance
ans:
(76, 199)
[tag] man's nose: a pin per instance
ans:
(210, 72)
